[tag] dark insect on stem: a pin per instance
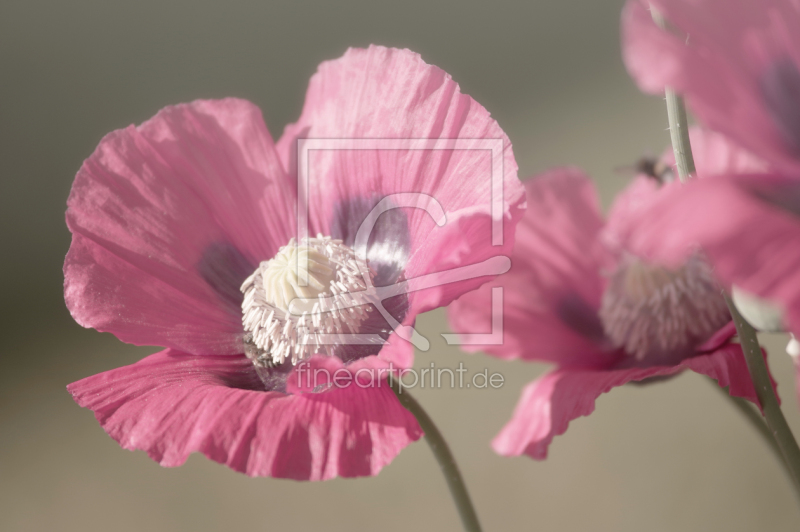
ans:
(654, 168)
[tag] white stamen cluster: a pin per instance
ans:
(309, 288)
(654, 312)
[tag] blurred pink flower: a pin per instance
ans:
(578, 298)
(735, 61)
(171, 217)
(738, 64)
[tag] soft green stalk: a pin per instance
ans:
(442, 453)
(770, 407)
(754, 417)
(678, 124)
(776, 422)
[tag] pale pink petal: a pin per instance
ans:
(381, 93)
(716, 154)
(747, 226)
(553, 291)
(397, 352)
(736, 61)
(630, 206)
(548, 404)
(168, 218)
(172, 404)
(320, 372)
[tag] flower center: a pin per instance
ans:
(661, 315)
(299, 302)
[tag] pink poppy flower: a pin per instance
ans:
(173, 219)
(738, 65)
(577, 298)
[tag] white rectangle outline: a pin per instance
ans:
(494, 146)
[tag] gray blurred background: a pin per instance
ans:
(670, 456)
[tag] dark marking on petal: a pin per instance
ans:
(388, 250)
(389, 245)
(397, 307)
(579, 316)
(780, 88)
(274, 379)
(272, 376)
(225, 268)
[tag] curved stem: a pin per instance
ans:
(756, 421)
(777, 424)
(442, 453)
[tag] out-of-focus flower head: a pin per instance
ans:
(577, 297)
(738, 65)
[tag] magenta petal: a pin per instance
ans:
(320, 373)
(168, 218)
(727, 366)
(751, 241)
(738, 67)
(552, 293)
(718, 339)
(384, 93)
(172, 404)
(548, 404)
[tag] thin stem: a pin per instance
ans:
(443, 455)
(678, 124)
(680, 136)
(776, 423)
(765, 393)
(756, 421)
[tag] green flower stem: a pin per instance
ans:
(756, 421)
(776, 422)
(770, 407)
(678, 123)
(443, 455)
